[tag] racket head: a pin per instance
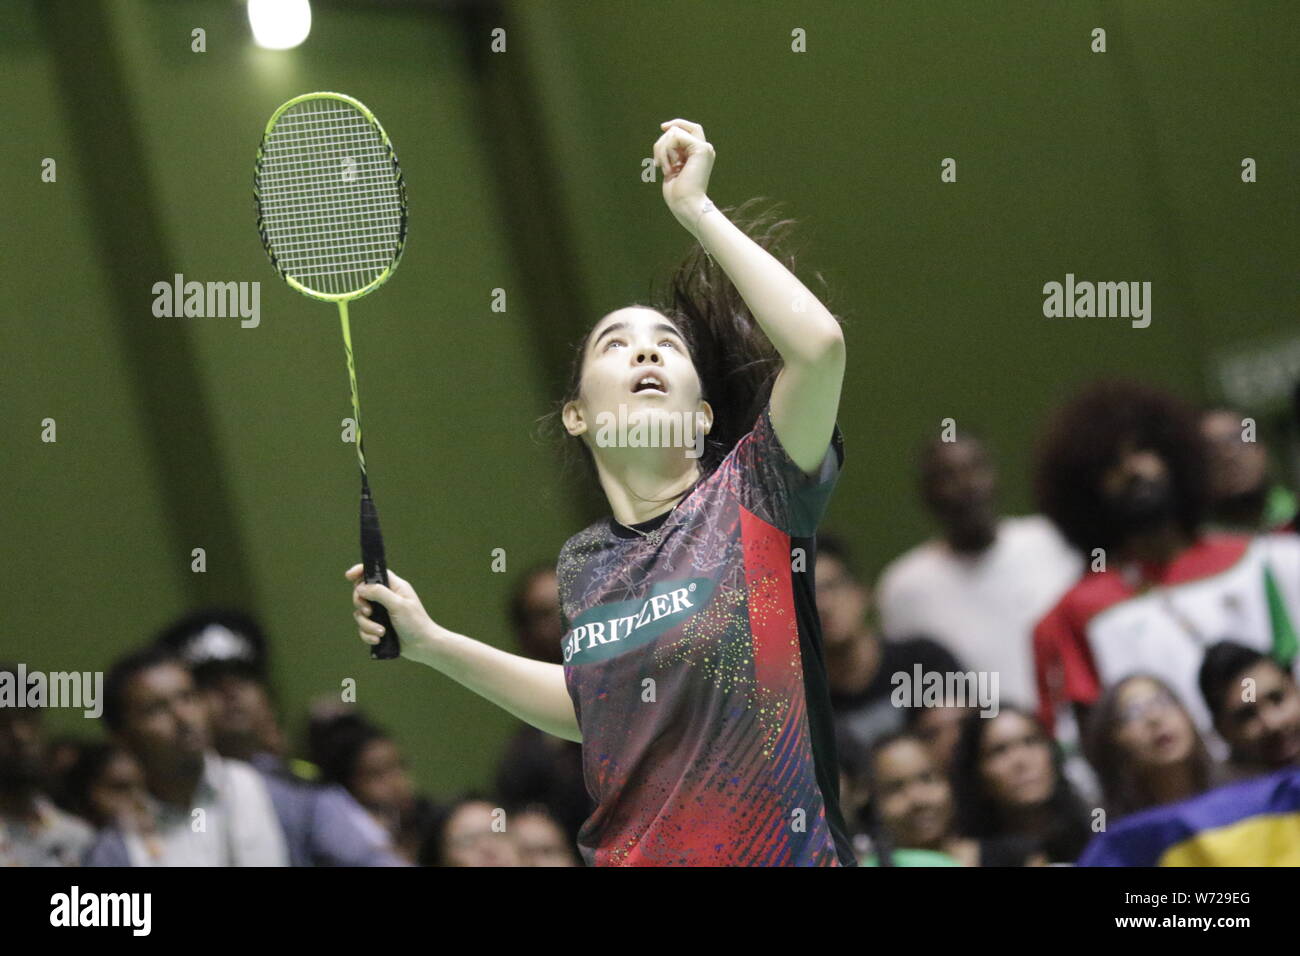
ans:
(331, 199)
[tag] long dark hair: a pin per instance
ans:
(1123, 788)
(978, 814)
(736, 363)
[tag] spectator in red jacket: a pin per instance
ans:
(1123, 473)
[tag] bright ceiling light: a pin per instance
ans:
(279, 24)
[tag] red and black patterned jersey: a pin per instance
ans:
(693, 656)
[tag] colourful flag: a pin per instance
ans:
(1252, 823)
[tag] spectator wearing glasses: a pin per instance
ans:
(1145, 748)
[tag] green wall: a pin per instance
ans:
(523, 171)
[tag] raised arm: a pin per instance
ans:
(806, 395)
(534, 691)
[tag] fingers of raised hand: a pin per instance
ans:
(670, 153)
(695, 129)
(675, 147)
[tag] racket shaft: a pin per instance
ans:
(376, 572)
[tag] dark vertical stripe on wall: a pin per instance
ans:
(159, 359)
(529, 212)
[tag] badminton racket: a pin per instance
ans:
(331, 213)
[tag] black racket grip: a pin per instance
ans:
(375, 571)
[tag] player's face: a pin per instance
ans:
(841, 601)
(1016, 762)
(914, 797)
(1153, 729)
(1264, 730)
(636, 369)
(166, 722)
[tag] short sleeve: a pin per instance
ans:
(770, 485)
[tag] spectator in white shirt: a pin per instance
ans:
(202, 809)
(982, 584)
(226, 652)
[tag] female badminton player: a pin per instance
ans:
(693, 672)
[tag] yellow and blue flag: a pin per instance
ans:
(1252, 823)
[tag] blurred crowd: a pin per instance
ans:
(1141, 631)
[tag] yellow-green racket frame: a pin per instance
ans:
(371, 537)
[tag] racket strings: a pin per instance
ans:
(331, 197)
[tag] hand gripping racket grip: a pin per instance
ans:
(375, 571)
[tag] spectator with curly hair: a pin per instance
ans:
(1123, 472)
